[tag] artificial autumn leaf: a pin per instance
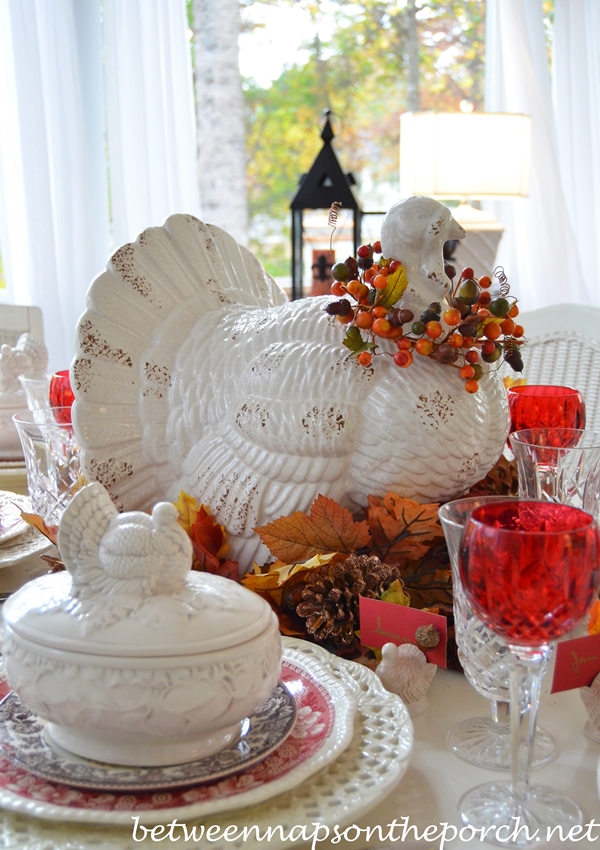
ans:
(428, 580)
(395, 594)
(394, 290)
(594, 621)
(197, 522)
(401, 528)
(55, 564)
(187, 507)
(279, 573)
(513, 382)
(49, 531)
(287, 626)
(207, 538)
(227, 569)
(354, 341)
(501, 480)
(489, 320)
(328, 528)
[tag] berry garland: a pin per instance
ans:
(472, 326)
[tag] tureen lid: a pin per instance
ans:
(209, 613)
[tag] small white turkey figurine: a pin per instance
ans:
(29, 356)
(193, 373)
(404, 670)
(118, 560)
(591, 699)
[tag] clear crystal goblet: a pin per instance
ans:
(486, 660)
(530, 570)
(559, 465)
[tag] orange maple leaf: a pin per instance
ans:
(401, 528)
(594, 621)
(328, 528)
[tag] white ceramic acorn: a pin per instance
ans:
(192, 372)
(591, 700)
(404, 670)
(130, 656)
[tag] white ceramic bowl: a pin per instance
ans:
(168, 683)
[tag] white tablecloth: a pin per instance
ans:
(429, 791)
(436, 779)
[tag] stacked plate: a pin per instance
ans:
(18, 540)
(330, 738)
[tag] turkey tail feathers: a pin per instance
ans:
(157, 287)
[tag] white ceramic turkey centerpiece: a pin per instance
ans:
(132, 658)
(193, 373)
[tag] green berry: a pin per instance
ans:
(340, 272)
(418, 328)
(499, 307)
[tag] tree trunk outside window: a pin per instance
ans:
(412, 51)
(220, 115)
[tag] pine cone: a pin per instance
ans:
(330, 597)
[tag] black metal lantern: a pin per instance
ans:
(324, 184)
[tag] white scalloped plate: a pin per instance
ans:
(342, 792)
(321, 697)
(11, 524)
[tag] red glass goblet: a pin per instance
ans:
(530, 571)
(542, 406)
(61, 396)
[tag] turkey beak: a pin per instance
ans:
(456, 230)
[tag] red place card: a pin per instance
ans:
(577, 663)
(385, 622)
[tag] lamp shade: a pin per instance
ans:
(467, 156)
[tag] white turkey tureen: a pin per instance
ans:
(193, 373)
(131, 657)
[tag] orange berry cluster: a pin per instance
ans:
(472, 326)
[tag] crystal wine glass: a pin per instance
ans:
(52, 460)
(61, 395)
(559, 465)
(486, 659)
(544, 406)
(530, 570)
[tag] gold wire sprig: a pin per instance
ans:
(332, 220)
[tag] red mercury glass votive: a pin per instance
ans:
(61, 396)
(544, 406)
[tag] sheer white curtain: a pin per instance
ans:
(576, 89)
(150, 114)
(61, 71)
(538, 249)
(54, 220)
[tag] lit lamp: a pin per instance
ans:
(467, 156)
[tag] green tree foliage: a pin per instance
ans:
(360, 74)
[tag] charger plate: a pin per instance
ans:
(324, 727)
(345, 788)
